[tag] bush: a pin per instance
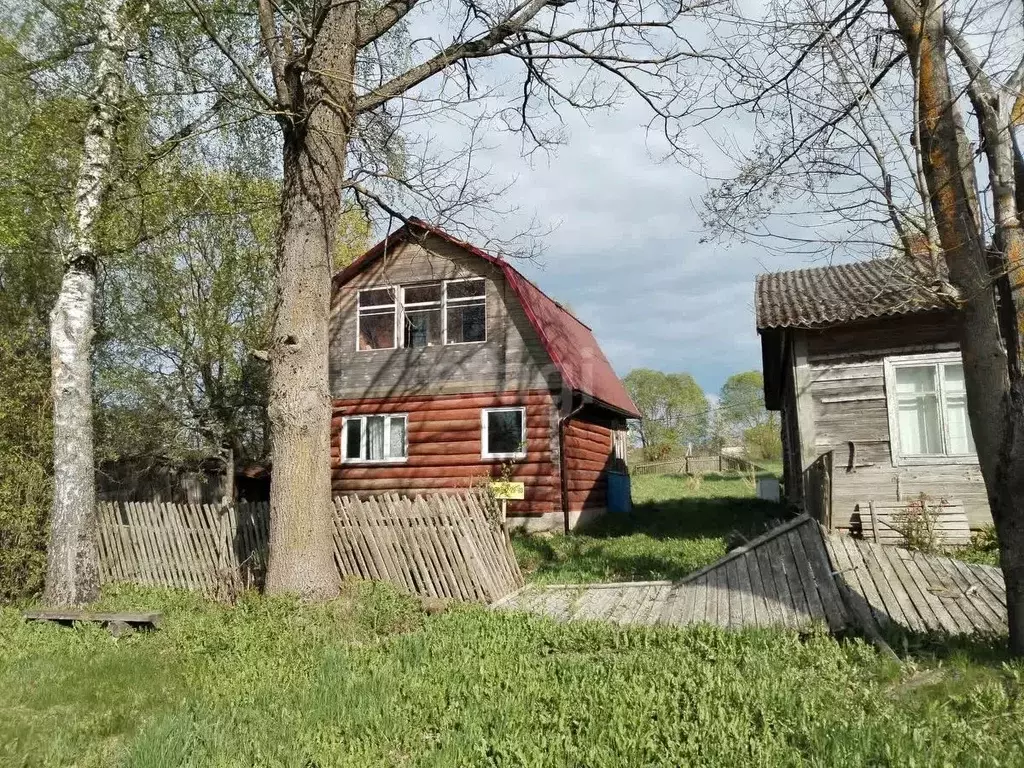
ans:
(26, 434)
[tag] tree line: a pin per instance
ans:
(678, 417)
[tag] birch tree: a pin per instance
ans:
(339, 103)
(72, 576)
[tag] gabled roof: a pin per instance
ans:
(822, 296)
(569, 343)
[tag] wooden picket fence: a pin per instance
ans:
(694, 465)
(442, 545)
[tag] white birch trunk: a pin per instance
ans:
(72, 572)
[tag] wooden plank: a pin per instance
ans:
(912, 588)
(912, 619)
(945, 591)
(659, 605)
(994, 593)
(874, 520)
(761, 573)
(392, 542)
(890, 604)
(735, 593)
(435, 554)
(356, 540)
(984, 618)
(480, 580)
(943, 620)
(815, 609)
(784, 599)
(783, 552)
(152, 619)
(140, 543)
(186, 568)
(436, 523)
(857, 592)
(817, 560)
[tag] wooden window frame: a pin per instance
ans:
(419, 305)
(395, 310)
(363, 438)
(939, 360)
(466, 301)
(483, 433)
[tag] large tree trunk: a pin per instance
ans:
(995, 413)
(315, 143)
(72, 574)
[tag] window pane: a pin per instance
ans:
(920, 433)
(375, 438)
(466, 322)
(954, 375)
(465, 288)
(397, 437)
(376, 297)
(915, 380)
(505, 432)
(352, 438)
(422, 328)
(377, 331)
(416, 294)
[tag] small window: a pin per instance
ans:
(374, 438)
(466, 311)
(504, 433)
(377, 309)
(927, 404)
(421, 306)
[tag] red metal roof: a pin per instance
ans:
(569, 343)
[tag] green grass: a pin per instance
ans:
(371, 681)
(677, 525)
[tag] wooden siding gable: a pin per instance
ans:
(512, 357)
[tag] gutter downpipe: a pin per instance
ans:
(563, 421)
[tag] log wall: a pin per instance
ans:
(589, 455)
(445, 442)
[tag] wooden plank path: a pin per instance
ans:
(794, 576)
(781, 578)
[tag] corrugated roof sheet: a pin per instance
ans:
(569, 343)
(840, 293)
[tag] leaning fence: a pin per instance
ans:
(442, 545)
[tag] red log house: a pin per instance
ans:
(448, 367)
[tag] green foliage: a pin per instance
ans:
(368, 680)
(741, 401)
(182, 313)
(674, 409)
(983, 549)
(764, 441)
(676, 527)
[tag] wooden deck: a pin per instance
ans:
(782, 578)
(795, 576)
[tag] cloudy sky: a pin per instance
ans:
(625, 247)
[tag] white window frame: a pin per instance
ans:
(939, 360)
(399, 306)
(395, 310)
(419, 305)
(363, 435)
(521, 454)
(461, 302)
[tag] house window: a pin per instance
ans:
(466, 311)
(504, 433)
(927, 405)
(374, 438)
(376, 321)
(421, 308)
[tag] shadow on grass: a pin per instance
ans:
(689, 526)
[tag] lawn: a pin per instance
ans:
(678, 525)
(372, 679)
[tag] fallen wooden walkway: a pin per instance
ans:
(782, 578)
(891, 586)
(795, 576)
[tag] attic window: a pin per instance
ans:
(421, 306)
(466, 311)
(376, 322)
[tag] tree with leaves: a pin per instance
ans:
(343, 94)
(674, 409)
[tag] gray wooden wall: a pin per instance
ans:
(840, 395)
(512, 357)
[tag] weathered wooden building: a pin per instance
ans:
(863, 362)
(449, 368)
